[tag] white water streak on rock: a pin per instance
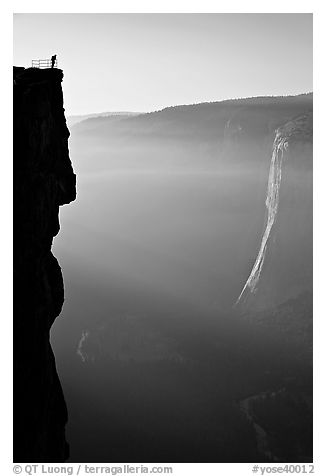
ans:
(272, 202)
(83, 355)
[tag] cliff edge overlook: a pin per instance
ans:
(43, 180)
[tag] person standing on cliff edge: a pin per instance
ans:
(53, 60)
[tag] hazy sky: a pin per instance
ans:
(144, 62)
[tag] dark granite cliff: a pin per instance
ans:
(43, 180)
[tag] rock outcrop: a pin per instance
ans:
(43, 180)
(283, 266)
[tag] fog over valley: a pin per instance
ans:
(154, 349)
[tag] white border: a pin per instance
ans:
(96, 6)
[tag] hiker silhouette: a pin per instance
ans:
(53, 60)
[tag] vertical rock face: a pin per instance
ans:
(43, 180)
(283, 267)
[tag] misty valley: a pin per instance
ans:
(186, 333)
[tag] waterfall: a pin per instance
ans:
(272, 200)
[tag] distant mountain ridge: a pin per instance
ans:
(254, 100)
(75, 119)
